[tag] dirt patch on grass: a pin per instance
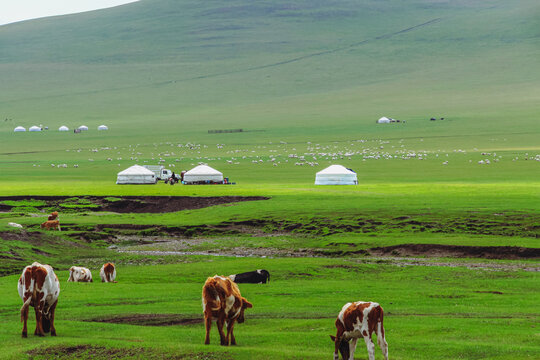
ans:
(435, 250)
(125, 204)
(64, 352)
(149, 320)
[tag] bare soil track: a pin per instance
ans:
(149, 320)
(101, 352)
(130, 204)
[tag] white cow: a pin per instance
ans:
(80, 274)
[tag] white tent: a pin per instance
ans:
(83, 127)
(102, 127)
(63, 128)
(203, 173)
(384, 120)
(34, 128)
(136, 175)
(336, 175)
(19, 129)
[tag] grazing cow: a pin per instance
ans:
(39, 287)
(355, 320)
(53, 215)
(108, 273)
(221, 301)
(251, 277)
(79, 274)
(51, 224)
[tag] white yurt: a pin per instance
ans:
(136, 174)
(19, 129)
(336, 175)
(202, 173)
(384, 120)
(103, 127)
(83, 127)
(34, 128)
(63, 128)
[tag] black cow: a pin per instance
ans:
(251, 277)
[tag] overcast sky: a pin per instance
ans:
(18, 10)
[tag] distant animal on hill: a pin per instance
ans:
(39, 287)
(53, 215)
(79, 274)
(108, 273)
(222, 302)
(355, 320)
(51, 224)
(251, 277)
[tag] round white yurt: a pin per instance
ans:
(384, 120)
(136, 174)
(19, 129)
(202, 174)
(336, 175)
(34, 128)
(103, 127)
(63, 128)
(83, 127)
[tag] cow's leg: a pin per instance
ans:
(208, 324)
(39, 325)
(51, 314)
(370, 347)
(25, 320)
(352, 348)
(230, 334)
(220, 322)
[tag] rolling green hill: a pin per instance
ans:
(280, 66)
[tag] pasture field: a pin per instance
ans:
(431, 312)
(442, 229)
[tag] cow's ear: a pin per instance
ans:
(246, 304)
(333, 338)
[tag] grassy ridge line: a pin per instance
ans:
(299, 305)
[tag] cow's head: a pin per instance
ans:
(343, 347)
(245, 304)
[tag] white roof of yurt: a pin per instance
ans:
(34, 128)
(63, 128)
(83, 127)
(19, 128)
(103, 127)
(335, 170)
(336, 175)
(203, 170)
(384, 119)
(136, 170)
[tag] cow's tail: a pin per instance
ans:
(380, 328)
(28, 301)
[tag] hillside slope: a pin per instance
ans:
(281, 66)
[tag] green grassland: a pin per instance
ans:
(306, 81)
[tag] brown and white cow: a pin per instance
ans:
(39, 287)
(222, 302)
(79, 274)
(51, 224)
(108, 273)
(356, 320)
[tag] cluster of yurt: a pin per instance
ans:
(336, 175)
(199, 175)
(61, 128)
